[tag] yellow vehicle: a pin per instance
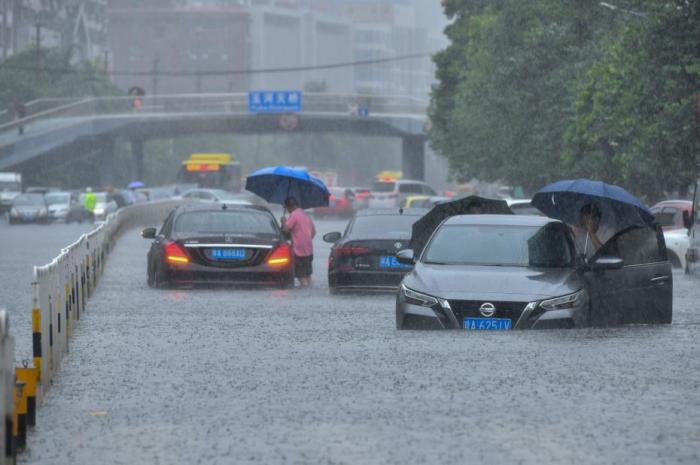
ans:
(388, 176)
(414, 201)
(212, 171)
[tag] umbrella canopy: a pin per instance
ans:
(135, 185)
(424, 227)
(275, 184)
(619, 209)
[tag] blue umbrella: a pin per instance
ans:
(275, 184)
(619, 209)
(135, 185)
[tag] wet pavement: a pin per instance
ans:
(302, 377)
(22, 246)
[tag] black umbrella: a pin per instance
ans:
(424, 227)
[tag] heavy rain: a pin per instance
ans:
(349, 232)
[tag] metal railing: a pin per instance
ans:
(60, 292)
(207, 103)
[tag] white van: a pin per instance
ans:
(391, 194)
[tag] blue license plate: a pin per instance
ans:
(228, 254)
(487, 324)
(389, 261)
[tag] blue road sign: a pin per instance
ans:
(274, 101)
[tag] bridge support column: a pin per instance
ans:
(413, 157)
(137, 154)
(107, 161)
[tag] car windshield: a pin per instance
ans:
(225, 222)
(398, 226)
(27, 200)
(57, 198)
(496, 245)
(384, 187)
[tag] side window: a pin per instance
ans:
(428, 190)
(410, 188)
(637, 246)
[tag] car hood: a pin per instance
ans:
(493, 282)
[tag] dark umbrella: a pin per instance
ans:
(619, 209)
(424, 227)
(275, 184)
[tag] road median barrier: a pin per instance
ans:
(60, 291)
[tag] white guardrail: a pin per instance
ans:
(60, 291)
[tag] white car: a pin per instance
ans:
(677, 243)
(392, 194)
(523, 207)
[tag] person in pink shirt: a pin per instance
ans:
(302, 231)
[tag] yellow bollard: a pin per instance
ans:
(30, 377)
(20, 423)
(36, 340)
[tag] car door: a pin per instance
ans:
(606, 288)
(648, 281)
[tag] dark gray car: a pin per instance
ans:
(499, 272)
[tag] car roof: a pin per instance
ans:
(500, 220)
(392, 211)
(204, 207)
(674, 203)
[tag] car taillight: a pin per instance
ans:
(351, 250)
(280, 256)
(174, 253)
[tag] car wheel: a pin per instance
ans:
(160, 281)
(151, 277)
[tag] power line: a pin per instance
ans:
(234, 71)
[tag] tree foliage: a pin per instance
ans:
(535, 91)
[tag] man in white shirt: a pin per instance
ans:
(589, 236)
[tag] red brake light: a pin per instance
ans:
(351, 250)
(280, 256)
(174, 253)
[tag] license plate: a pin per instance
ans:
(389, 261)
(487, 324)
(228, 254)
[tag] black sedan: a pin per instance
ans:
(500, 272)
(364, 256)
(219, 244)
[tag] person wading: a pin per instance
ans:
(90, 203)
(302, 231)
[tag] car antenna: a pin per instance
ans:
(224, 206)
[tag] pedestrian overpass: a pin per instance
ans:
(63, 128)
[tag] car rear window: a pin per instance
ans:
(496, 245)
(411, 188)
(225, 222)
(665, 216)
(57, 198)
(29, 199)
(384, 187)
(395, 226)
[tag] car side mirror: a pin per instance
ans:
(687, 219)
(332, 237)
(607, 263)
(405, 257)
(148, 233)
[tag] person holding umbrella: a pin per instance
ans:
(296, 189)
(589, 236)
(302, 232)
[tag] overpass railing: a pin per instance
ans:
(203, 103)
(60, 292)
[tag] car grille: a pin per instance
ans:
(470, 308)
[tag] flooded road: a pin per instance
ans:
(300, 377)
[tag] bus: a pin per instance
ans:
(211, 171)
